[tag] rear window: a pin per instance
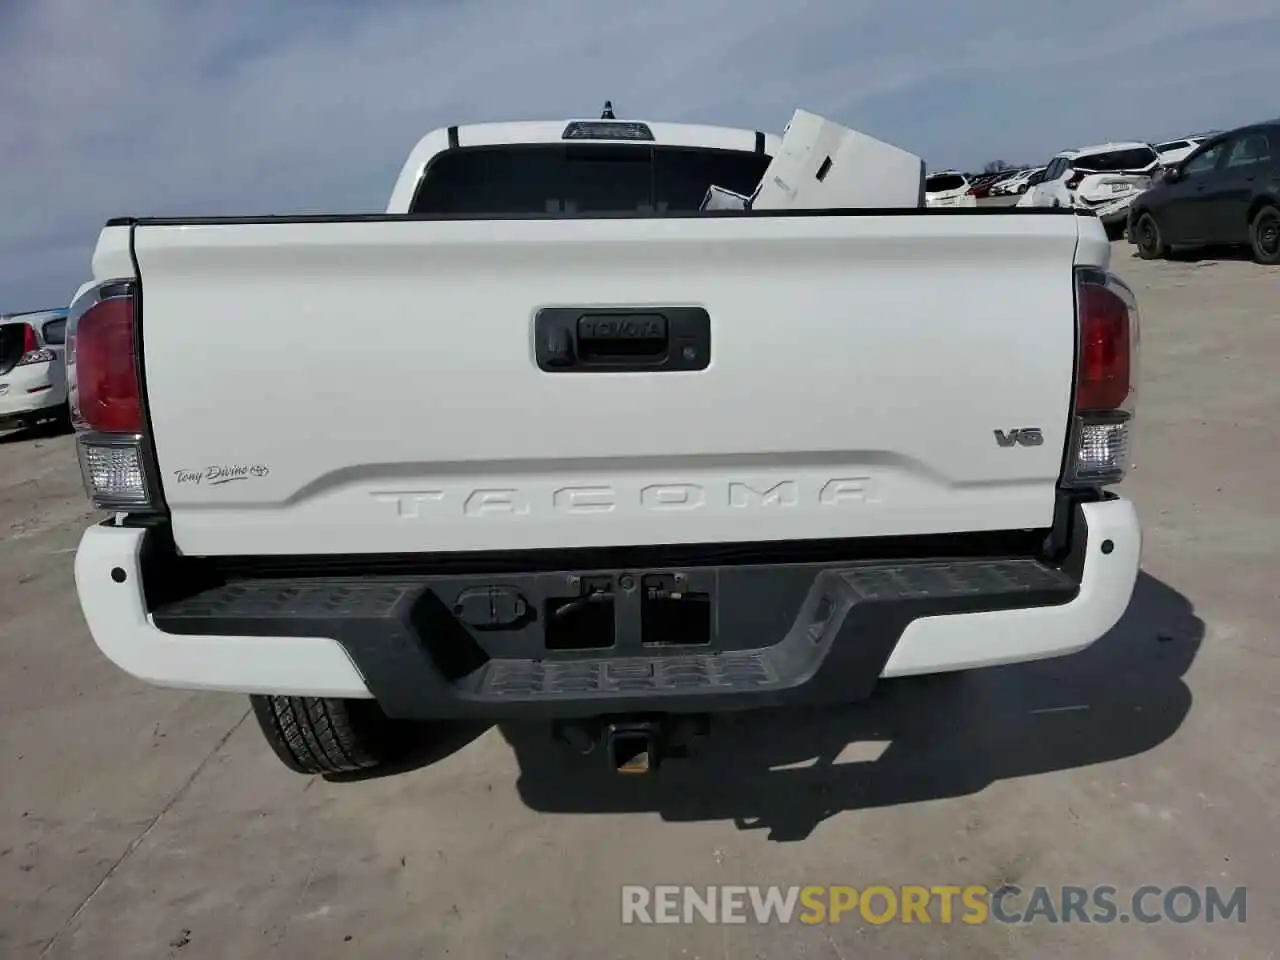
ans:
(941, 182)
(55, 332)
(1172, 145)
(1137, 158)
(581, 178)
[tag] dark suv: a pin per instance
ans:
(1226, 192)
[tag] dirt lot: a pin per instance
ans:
(137, 822)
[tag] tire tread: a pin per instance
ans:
(1162, 249)
(1258, 255)
(324, 734)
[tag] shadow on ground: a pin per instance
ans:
(429, 743)
(44, 430)
(1207, 255)
(946, 736)
(20, 434)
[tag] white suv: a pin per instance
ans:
(948, 188)
(1175, 151)
(33, 377)
(1105, 179)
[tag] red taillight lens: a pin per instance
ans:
(1103, 378)
(1073, 181)
(108, 396)
(30, 343)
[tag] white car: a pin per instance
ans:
(1016, 184)
(948, 188)
(994, 186)
(674, 464)
(33, 380)
(1174, 151)
(1106, 179)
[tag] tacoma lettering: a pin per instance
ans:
(761, 496)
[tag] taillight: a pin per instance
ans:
(32, 352)
(107, 394)
(106, 397)
(1102, 380)
(1073, 181)
(1106, 374)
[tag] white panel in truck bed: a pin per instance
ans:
(822, 165)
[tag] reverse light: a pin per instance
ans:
(113, 472)
(106, 398)
(1106, 372)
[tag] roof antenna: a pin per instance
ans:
(607, 112)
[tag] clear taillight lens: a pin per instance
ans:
(1099, 450)
(113, 471)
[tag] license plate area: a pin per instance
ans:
(565, 615)
(673, 613)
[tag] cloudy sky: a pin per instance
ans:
(254, 106)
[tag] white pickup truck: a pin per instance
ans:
(548, 441)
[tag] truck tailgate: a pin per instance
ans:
(369, 385)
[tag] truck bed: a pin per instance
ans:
(372, 385)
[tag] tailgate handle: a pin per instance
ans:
(618, 339)
(605, 337)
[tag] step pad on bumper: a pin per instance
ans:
(287, 600)
(527, 678)
(401, 637)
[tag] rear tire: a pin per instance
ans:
(327, 735)
(1150, 243)
(1264, 236)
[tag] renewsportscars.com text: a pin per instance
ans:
(941, 904)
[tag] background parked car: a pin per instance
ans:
(948, 188)
(1105, 178)
(1172, 152)
(1018, 183)
(1227, 192)
(998, 179)
(980, 186)
(33, 379)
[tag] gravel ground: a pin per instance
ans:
(137, 822)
